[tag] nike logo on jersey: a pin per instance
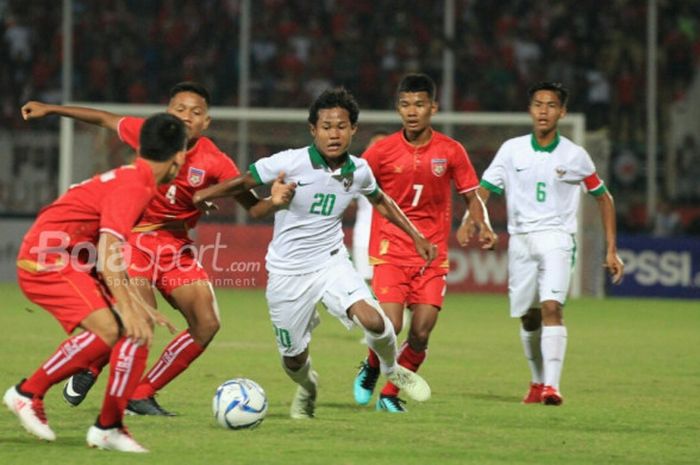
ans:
(554, 291)
(520, 169)
(353, 291)
(302, 184)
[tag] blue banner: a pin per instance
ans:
(659, 267)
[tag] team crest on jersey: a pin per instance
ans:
(438, 166)
(195, 176)
(561, 171)
(346, 179)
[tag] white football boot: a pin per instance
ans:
(411, 383)
(117, 439)
(304, 402)
(30, 413)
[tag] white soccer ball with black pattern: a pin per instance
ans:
(239, 403)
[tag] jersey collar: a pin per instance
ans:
(548, 148)
(318, 162)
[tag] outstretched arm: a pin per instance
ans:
(613, 262)
(386, 206)
(34, 110)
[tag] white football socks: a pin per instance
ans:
(553, 351)
(384, 345)
(304, 376)
(533, 353)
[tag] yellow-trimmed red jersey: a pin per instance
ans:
(419, 180)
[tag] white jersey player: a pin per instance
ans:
(542, 175)
(307, 261)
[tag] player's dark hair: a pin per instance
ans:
(190, 86)
(162, 136)
(556, 87)
(339, 97)
(417, 82)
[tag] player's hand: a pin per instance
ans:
(615, 267)
(282, 192)
(136, 326)
(33, 110)
(161, 320)
(488, 238)
(426, 249)
(465, 232)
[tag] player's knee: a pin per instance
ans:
(532, 320)
(203, 330)
(552, 313)
(109, 333)
(418, 339)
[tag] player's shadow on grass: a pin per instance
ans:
(494, 397)
(31, 441)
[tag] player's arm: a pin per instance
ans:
(388, 208)
(105, 119)
(476, 218)
(240, 186)
(613, 262)
(112, 268)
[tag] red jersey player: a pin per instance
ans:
(163, 254)
(67, 259)
(415, 167)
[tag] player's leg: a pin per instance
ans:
(143, 268)
(291, 303)
(348, 298)
(126, 365)
(391, 286)
(74, 299)
(557, 251)
(427, 292)
(299, 370)
(522, 293)
(530, 336)
(185, 284)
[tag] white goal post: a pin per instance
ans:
(238, 130)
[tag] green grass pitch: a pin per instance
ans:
(631, 385)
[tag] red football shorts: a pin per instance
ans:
(407, 285)
(167, 260)
(69, 295)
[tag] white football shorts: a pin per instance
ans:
(292, 300)
(539, 268)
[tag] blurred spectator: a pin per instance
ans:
(129, 50)
(667, 221)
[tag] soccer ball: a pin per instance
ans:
(239, 403)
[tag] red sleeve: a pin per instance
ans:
(129, 130)
(372, 158)
(225, 168)
(122, 208)
(463, 172)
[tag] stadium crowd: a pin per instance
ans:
(129, 50)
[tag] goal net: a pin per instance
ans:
(248, 134)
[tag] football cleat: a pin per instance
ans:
(411, 383)
(30, 412)
(365, 382)
(77, 387)
(551, 396)
(534, 395)
(117, 439)
(391, 404)
(147, 406)
(304, 402)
